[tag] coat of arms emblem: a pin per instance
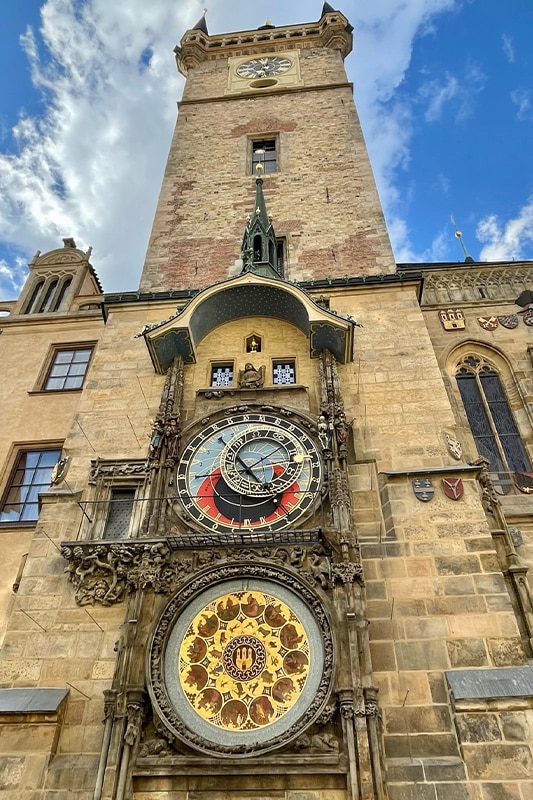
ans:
(527, 316)
(524, 482)
(453, 488)
(452, 319)
(508, 320)
(423, 489)
(488, 323)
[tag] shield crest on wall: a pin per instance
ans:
(528, 317)
(423, 489)
(508, 320)
(453, 488)
(488, 323)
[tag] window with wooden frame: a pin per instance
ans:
(68, 368)
(31, 474)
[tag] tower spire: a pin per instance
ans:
(459, 235)
(201, 25)
(259, 246)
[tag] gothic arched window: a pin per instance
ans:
(490, 418)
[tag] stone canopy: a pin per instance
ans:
(246, 296)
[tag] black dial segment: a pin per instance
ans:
(249, 472)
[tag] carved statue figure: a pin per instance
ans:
(324, 432)
(172, 438)
(320, 567)
(251, 378)
(156, 440)
(341, 433)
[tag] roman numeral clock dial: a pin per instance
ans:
(249, 472)
(264, 67)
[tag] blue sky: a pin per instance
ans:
(88, 92)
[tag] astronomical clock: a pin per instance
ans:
(242, 658)
(253, 471)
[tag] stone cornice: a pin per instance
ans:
(333, 31)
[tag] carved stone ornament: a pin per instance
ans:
(115, 469)
(347, 572)
(454, 447)
(241, 661)
(251, 378)
(106, 572)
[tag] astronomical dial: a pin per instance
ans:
(264, 67)
(250, 471)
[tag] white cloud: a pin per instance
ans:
(522, 99)
(12, 276)
(91, 165)
(509, 240)
(438, 92)
(508, 49)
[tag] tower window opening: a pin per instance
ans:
(258, 249)
(264, 152)
(49, 296)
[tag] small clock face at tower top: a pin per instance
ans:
(264, 67)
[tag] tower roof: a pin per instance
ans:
(201, 25)
(259, 241)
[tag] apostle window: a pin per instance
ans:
(67, 369)
(31, 474)
(221, 374)
(490, 418)
(264, 153)
(283, 372)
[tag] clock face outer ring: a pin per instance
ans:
(263, 67)
(264, 448)
(168, 691)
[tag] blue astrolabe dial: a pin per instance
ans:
(262, 461)
(251, 471)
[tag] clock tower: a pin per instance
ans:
(280, 96)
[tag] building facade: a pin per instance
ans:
(267, 520)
